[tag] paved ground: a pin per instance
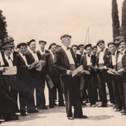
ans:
(57, 117)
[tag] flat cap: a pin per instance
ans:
(7, 46)
(118, 38)
(87, 45)
(21, 44)
(65, 36)
(42, 41)
(111, 43)
(8, 40)
(52, 45)
(94, 47)
(32, 40)
(100, 41)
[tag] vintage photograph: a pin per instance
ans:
(62, 63)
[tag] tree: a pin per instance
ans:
(115, 19)
(123, 27)
(3, 26)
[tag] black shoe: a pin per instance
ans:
(51, 106)
(70, 118)
(103, 105)
(45, 107)
(81, 117)
(33, 111)
(61, 105)
(11, 118)
(23, 114)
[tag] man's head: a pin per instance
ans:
(88, 48)
(117, 39)
(32, 44)
(101, 44)
(74, 47)
(112, 47)
(7, 50)
(9, 41)
(52, 47)
(22, 47)
(81, 48)
(94, 50)
(42, 44)
(122, 44)
(66, 40)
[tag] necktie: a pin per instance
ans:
(88, 55)
(9, 58)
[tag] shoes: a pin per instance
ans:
(8, 118)
(33, 111)
(93, 106)
(103, 105)
(45, 107)
(70, 118)
(81, 117)
(122, 111)
(23, 114)
(61, 105)
(51, 106)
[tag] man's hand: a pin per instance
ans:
(3, 69)
(121, 70)
(79, 73)
(69, 72)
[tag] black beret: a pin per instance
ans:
(88, 45)
(21, 44)
(80, 45)
(111, 43)
(74, 46)
(100, 41)
(122, 40)
(32, 40)
(52, 45)
(42, 41)
(58, 46)
(94, 47)
(65, 36)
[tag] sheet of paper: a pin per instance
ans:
(41, 63)
(86, 71)
(79, 69)
(10, 71)
(48, 79)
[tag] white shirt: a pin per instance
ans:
(88, 60)
(69, 55)
(101, 55)
(24, 58)
(34, 55)
(52, 54)
(10, 62)
(42, 52)
(114, 59)
(120, 56)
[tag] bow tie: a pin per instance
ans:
(113, 54)
(68, 48)
(34, 52)
(102, 50)
(89, 55)
(9, 58)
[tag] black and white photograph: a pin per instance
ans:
(62, 62)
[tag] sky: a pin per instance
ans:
(49, 19)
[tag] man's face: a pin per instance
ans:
(81, 49)
(122, 46)
(112, 48)
(32, 46)
(88, 50)
(94, 50)
(66, 41)
(53, 48)
(42, 45)
(23, 49)
(74, 49)
(8, 51)
(101, 45)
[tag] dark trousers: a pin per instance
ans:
(57, 87)
(102, 78)
(72, 95)
(120, 84)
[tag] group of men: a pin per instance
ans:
(55, 67)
